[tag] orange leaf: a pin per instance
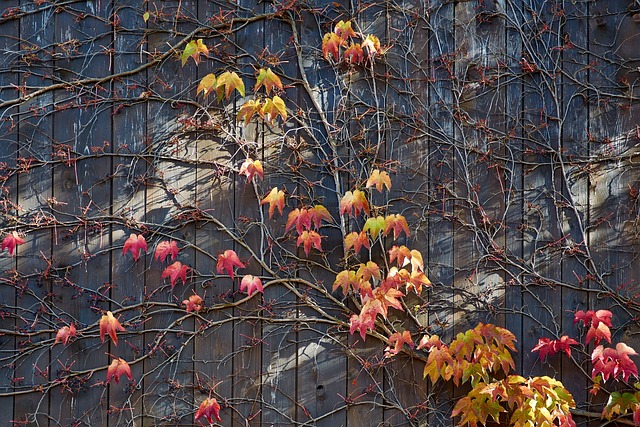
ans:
(10, 242)
(354, 54)
(174, 272)
(227, 83)
(248, 109)
(346, 280)
(193, 49)
(344, 30)
(251, 284)
(397, 223)
(300, 218)
(275, 199)
(355, 201)
(194, 303)
(417, 280)
(250, 168)
(65, 333)
(135, 243)
(166, 248)
(379, 180)
(398, 339)
(402, 254)
(331, 46)
(319, 213)
(109, 325)
(310, 238)
(357, 241)
(208, 408)
(226, 262)
(367, 271)
(207, 84)
(118, 368)
(269, 80)
(371, 45)
(274, 107)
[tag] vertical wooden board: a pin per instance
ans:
(214, 349)
(81, 123)
(34, 189)
(9, 33)
(249, 218)
(574, 218)
(170, 200)
(542, 185)
(514, 180)
(128, 171)
(441, 179)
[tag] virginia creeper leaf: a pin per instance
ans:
(118, 368)
(166, 248)
(65, 333)
(109, 325)
(397, 340)
(356, 241)
(209, 409)
(275, 199)
(331, 46)
(227, 82)
(174, 272)
(274, 107)
(354, 54)
(207, 85)
(10, 242)
(379, 180)
(354, 202)
(308, 239)
(343, 30)
(251, 284)
(250, 168)
(374, 226)
(248, 109)
(193, 49)
(226, 262)
(269, 80)
(135, 244)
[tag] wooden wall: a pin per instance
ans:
(510, 129)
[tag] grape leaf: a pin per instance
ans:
(109, 325)
(251, 284)
(379, 180)
(135, 244)
(275, 199)
(269, 80)
(193, 49)
(166, 248)
(10, 242)
(174, 272)
(308, 239)
(250, 168)
(226, 262)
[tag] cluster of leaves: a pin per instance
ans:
(342, 39)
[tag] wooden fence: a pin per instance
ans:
(509, 129)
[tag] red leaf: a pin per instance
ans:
(135, 243)
(250, 168)
(226, 262)
(397, 223)
(209, 408)
(614, 363)
(355, 201)
(275, 199)
(331, 46)
(111, 326)
(11, 241)
(166, 248)
(354, 54)
(310, 238)
(363, 322)
(548, 347)
(301, 218)
(402, 254)
(251, 284)
(248, 109)
(344, 30)
(398, 339)
(174, 272)
(357, 241)
(118, 368)
(65, 333)
(598, 323)
(194, 303)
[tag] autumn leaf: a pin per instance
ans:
(354, 202)
(166, 248)
(619, 403)
(193, 49)
(310, 238)
(208, 408)
(598, 323)
(207, 85)
(118, 368)
(146, 16)
(371, 45)
(269, 80)
(397, 223)
(400, 254)
(300, 218)
(346, 280)
(548, 347)
(379, 180)
(374, 226)
(251, 284)
(388, 297)
(226, 262)
(248, 109)
(367, 271)
(331, 46)
(274, 107)
(275, 199)
(250, 168)
(194, 303)
(343, 30)
(10, 242)
(65, 333)
(353, 54)
(109, 325)
(317, 214)
(174, 272)
(363, 322)
(135, 244)
(397, 340)
(416, 280)
(614, 363)
(416, 261)
(227, 82)
(429, 341)
(356, 241)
